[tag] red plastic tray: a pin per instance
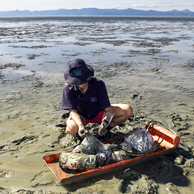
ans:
(167, 140)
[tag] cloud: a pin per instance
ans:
(163, 6)
(145, 7)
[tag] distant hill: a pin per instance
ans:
(95, 11)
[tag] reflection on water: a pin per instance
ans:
(42, 47)
(55, 42)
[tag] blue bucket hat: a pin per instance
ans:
(79, 72)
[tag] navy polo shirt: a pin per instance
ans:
(88, 104)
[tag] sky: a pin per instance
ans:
(39, 5)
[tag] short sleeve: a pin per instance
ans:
(68, 99)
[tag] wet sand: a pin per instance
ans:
(146, 63)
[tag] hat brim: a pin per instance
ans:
(79, 80)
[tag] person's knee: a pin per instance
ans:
(72, 129)
(129, 111)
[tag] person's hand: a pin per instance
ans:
(81, 131)
(102, 129)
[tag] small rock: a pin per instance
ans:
(179, 160)
(171, 189)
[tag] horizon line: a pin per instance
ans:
(95, 8)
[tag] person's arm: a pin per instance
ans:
(78, 121)
(76, 117)
(105, 121)
(107, 114)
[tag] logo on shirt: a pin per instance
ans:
(93, 99)
(77, 72)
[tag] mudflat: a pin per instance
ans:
(147, 63)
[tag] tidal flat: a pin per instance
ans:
(147, 63)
